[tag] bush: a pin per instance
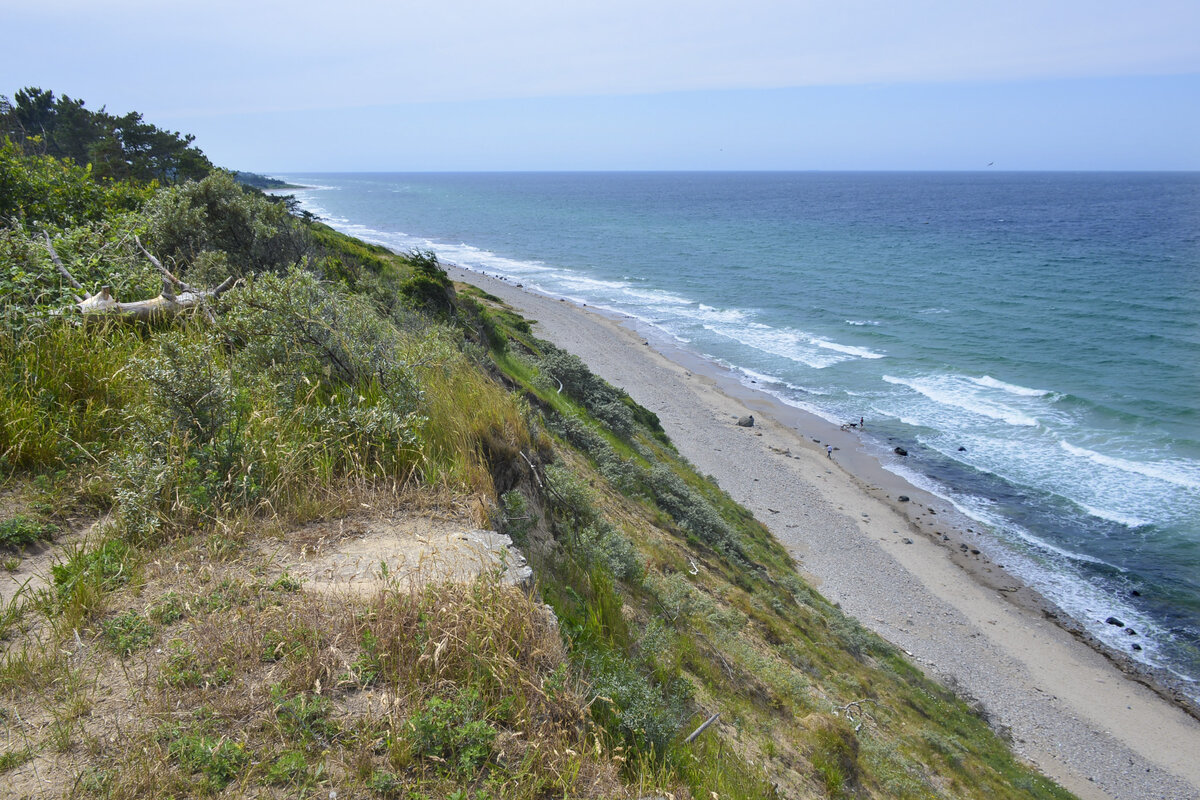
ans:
(600, 543)
(103, 569)
(127, 632)
(21, 530)
(692, 511)
(309, 337)
(454, 731)
(217, 214)
(620, 472)
(601, 399)
(428, 288)
(186, 452)
(639, 713)
(198, 750)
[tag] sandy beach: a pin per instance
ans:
(906, 570)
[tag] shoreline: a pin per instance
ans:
(958, 615)
(934, 517)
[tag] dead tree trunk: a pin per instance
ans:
(169, 303)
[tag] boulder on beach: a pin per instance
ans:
(746, 422)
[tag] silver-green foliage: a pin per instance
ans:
(599, 397)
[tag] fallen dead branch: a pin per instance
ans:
(169, 302)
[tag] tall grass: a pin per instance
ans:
(63, 388)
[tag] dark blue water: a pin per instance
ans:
(1032, 339)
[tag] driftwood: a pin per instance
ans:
(169, 302)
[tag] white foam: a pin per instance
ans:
(788, 344)
(948, 392)
(976, 509)
(848, 349)
(1011, 388)
(709, 314)
(1128, 520)
(791, 400)
(1179, 473)
(860, 322)
(659, 297)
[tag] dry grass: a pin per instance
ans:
(247, 685)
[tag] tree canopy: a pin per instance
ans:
(118, 147)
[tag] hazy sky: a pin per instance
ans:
(633, 84)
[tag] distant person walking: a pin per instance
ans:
(829, 451)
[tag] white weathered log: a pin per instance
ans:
(166, 305)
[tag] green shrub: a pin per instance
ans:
(428, 288)
(217, 214)
(606, 403)
(169, 609)
(638, 713)
(516, 518)
(692, 511)
(620, 472)
(127, 632)
(309, 337)
(216, 759)
(454, 730)
(304, 718)
(835, 754)
(600, 543)
(21, 530)
(187, 668)
(289, 768)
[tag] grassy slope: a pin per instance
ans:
(180, 659)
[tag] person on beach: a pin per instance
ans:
(861, 423)
(829, 451)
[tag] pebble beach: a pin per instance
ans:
(904, 568)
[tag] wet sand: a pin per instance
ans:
(904, 569)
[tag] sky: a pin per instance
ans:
(430, 85)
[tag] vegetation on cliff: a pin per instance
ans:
(164, 483)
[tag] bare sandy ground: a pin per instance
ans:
(1070, 711)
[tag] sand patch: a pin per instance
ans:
(361, 556)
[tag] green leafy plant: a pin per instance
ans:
(22, 530)
(197, 749)
(127, 632)
(455, 731)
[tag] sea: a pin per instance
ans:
(1031, 339)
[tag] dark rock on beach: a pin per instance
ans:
(746, 422)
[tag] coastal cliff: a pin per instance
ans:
(277, 546)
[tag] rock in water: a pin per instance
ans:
(900, 451)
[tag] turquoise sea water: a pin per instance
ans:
(1032, 339)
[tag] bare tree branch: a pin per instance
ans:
(63, 270)
(167, 304)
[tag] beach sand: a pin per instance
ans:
(900, 568)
